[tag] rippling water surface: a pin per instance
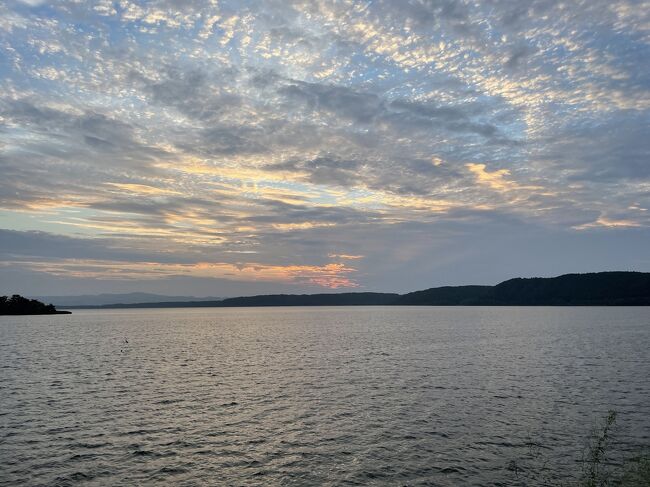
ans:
(314, 396)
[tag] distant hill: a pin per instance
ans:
(334, 299)
(445, 296)
(162, 304)
(594, 289)
(602, 288)
(128, 298)
(18, 305)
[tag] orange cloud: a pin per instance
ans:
(142, 189)
(345, 256)
(301, 226)
(495, 179)
(332, 276)
(604, 222)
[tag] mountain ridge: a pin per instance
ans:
(611, 288)
(118, 298)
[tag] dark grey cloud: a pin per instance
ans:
(355, 106)
(325, 170)
(234, 140)
(613, 151)
(368, 108)
(518, 56)
(282, 212)
(195, 93)
(25, 245)
(408, 114)
(78, 137)
(428, 14)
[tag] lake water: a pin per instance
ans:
(316, 396)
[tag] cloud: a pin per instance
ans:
(518, 56)
(193, 93)
(604, 222)
(355, 106)
(305, 133)
(143, 189)
(345, 256)
(107, 259)
(323, 170)
(498, 179)
(332, 276)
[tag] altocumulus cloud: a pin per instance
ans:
(330, 144)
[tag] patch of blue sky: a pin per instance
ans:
(66, 221)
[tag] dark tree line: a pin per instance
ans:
(592, 289)
(18, 305)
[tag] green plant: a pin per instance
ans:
(595, 472)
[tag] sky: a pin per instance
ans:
(219, 148)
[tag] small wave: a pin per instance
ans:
(74, 477)
(144, 453)
(169, 401)
(153, 454)
(89, 445)
(180, 443)
(506, 444)
(83, 456)
(172, 470)
(138, 432)
(374, 475)
(437, 433)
